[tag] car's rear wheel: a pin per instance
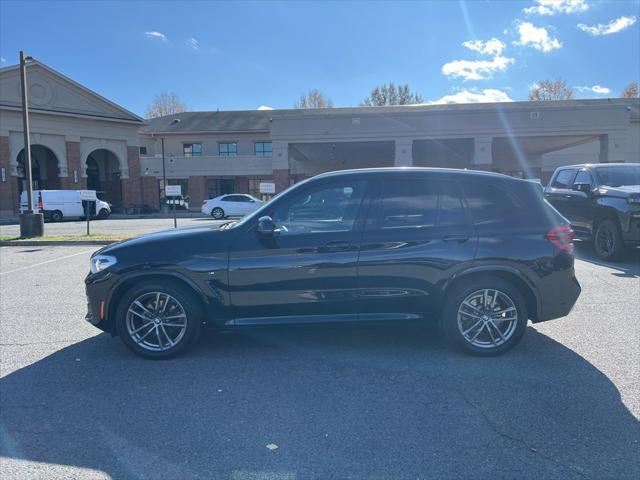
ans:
(158, 320)
(56, 216)
(485, 316)
(608, 242)
(217, 213)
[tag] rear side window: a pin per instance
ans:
(417, 203)
(563, 179)
(488, 202)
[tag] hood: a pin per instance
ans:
(170, 238)
(623, 191)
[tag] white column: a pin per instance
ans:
(482, 156)
(404, 152)
(613, 147)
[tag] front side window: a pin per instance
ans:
(325, 208)
(263, 149)
(417, 203)
(584, 177)
(228, 149)
(564, 179)
(192, 149)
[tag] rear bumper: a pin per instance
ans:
(559, 290)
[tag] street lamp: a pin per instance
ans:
(31, 223)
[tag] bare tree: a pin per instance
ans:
(389, 94)
(630, 91)
(165, 103)
(313, 99)
(546, 90)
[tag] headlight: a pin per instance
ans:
(633, 200)
(101, 262)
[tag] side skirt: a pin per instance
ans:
(322, 319)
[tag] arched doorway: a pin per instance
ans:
(103, 176)
(44, 169)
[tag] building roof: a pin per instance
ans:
(258, 120)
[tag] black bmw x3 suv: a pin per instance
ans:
(479, 253)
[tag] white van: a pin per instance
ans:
(59, 204)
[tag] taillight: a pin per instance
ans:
(561, 237)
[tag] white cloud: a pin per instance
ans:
(3, 60)
(536, 37)
(476, 69)
(488, 95)
(264, 107)
(551, 7)
(156, 36)
(193, 43)
(614, 26)
(490, 47)
(597, 89)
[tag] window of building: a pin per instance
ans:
(192, 149)
(228, 149)
(143, 150)
(564, 179)
(219, 186)
(263, 149)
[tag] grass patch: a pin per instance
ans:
(68, 238)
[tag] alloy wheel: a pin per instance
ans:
(156, 321)
(605, 240)
(487, 318)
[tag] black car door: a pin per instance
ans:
(309, 266)
(416, 237)
(581, 205)
(559, 192)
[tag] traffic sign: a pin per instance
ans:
(173, 191)
(267, 187)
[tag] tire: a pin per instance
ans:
(154, 340)
(217, 213)
(56, 216)
(607, 240)
(493, 334)
(103, 214)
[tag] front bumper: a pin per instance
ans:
(631, 230)
(98, 289)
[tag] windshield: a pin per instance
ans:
(619, 175)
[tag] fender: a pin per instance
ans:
(156, 272)
(491, 268)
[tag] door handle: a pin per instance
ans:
(335, 247)
(455, 238)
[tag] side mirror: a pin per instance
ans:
(266, 226)
(582, 187)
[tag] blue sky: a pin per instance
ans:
(240, 55)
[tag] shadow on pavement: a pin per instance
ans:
(628, 266)
(341, 403)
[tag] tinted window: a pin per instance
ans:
(228, 149)
(583, 177)
(619, 175)
(488, 202)
(563, 179)
(417, 203)
(328, 208)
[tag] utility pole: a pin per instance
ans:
(164, 174)
(31, 224)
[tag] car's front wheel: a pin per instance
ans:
(103, 214)
(485, 316)
(158, 320)
(217, 213)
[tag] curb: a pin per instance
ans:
(54, 243)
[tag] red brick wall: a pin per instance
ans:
(281, 179)
(150, 192)
(197, 192)
(241, 185)
(73, 163)
(9, 200)
(132, 187)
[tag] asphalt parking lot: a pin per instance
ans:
(343, 403)
(113, 226)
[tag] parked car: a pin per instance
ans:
(231, 205)
(59, 204)
(602, 202)
(479, 253)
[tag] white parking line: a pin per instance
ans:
(48, 261)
